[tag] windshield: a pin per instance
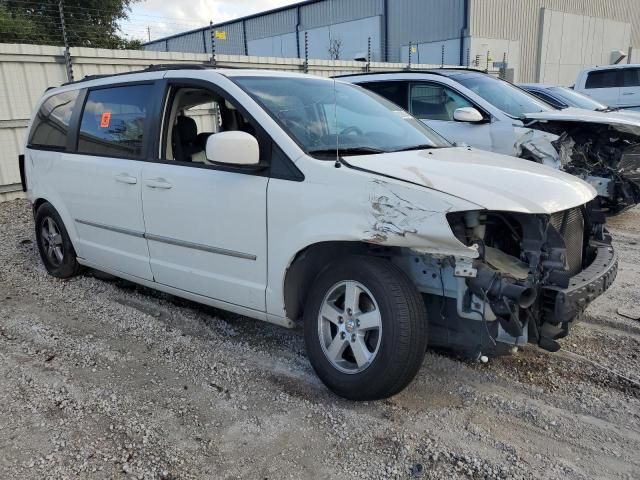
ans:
(576, 99)
(347, 119)
(508, 98)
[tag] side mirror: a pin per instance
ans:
(468, 114)
(233, 148)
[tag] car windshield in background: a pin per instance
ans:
(326, 117)
(511, 100)
(576, 99)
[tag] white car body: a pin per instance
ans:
(613, 85)
(533, 135)
(229, 238)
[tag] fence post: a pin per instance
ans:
(213, 44)
(67, 52)
(488, 57)
(503, 67)
(305, 65)
(442, 57)
(410, 50)
(468, 57)
(368, 67)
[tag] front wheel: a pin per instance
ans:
(365, 328)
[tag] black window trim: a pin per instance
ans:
(264, 170)
(547, 98)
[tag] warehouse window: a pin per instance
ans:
(602, 79)
(113, 121)
(51, 123)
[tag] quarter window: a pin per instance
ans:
(602, 79)
(631, 77)
(51, 124)
(113, 121)
(433, 101)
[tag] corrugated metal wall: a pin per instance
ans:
(422, 21)
(339, 11)
(520, 20)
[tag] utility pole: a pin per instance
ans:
(67, 53)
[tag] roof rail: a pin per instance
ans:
(435, 71)
(151, 68)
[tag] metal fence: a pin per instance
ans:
(26, 71)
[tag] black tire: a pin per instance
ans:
(60, 263)
(403, 337)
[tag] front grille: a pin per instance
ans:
(570, 224)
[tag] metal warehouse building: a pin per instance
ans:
(542, 40)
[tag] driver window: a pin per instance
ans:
(193, 115)
(432, 101)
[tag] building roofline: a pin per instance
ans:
(236, 20)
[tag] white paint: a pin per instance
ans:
(233, 148)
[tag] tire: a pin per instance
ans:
(352, 356)
(55, 247)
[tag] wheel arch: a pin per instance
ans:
(306, 265)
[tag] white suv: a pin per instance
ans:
(287, 198)
(613, 85)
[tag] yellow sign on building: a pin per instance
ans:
(221, 35)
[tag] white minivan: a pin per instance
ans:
(292, 198)
(613, 85)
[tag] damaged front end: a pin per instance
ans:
(604, 155)
(534, 275)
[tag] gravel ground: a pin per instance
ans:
(103, 379)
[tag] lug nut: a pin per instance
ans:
(340, 320)
(353, 337)
(349, 312)
(342, 335)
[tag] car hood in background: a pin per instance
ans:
(495, 182)
(622, 122)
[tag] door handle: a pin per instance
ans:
(629, 93)
(128, 179)
(160, 183)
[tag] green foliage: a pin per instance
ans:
(89, 23)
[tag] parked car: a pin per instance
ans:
(291, 198)
(470, 107)
(613, 85)
(564, 97)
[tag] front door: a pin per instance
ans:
(206, 225)
(630, 89)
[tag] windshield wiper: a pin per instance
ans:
(346, 151)
(413, 147)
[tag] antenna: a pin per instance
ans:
(338, 163)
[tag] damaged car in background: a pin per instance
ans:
(474, 108)
(325, 205)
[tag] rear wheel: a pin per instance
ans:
(365, 328)
(54, 244)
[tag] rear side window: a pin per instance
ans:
(113, 121)
(395, 92)
(631, 77)
(602, 79)
(51, 123)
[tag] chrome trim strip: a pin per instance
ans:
(125, 231)
(198, 246)
(171, 241)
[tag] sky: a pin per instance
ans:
(166, 17)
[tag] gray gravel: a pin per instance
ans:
(103, 379)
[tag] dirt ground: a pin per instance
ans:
(103, 379)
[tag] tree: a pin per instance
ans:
(89, 23)
(335, 48)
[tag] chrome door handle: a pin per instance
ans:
(128, 179)
(160, 183)
(629, 93)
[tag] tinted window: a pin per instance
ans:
(547, 98)
(576, 99)
(435, 102)
(395, 92)
(51, 124)
(602, 79)
(113, 121)
(631, 77)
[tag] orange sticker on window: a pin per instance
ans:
(105, 120)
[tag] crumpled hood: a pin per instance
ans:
(622, 122)
(492, 181)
